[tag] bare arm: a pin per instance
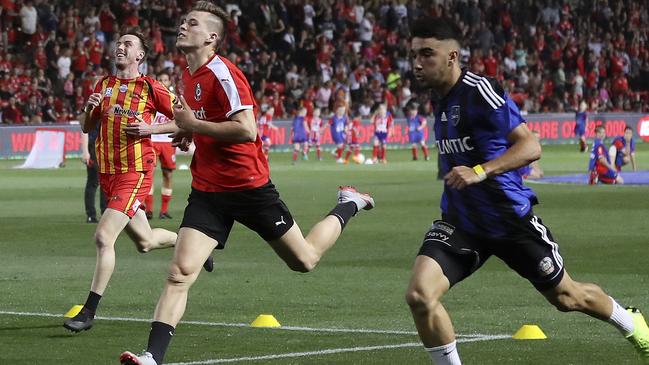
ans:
(241, 127)
(89, 118)
(524, 150)
(85, 154)
(142, 128)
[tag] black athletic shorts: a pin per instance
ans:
(259, 209)
(529, 249)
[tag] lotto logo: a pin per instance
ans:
(643, 128)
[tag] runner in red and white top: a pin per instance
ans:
(230, 177)
(264, 127)
(315, 127)
(166, 157)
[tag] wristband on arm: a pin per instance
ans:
(482, 175)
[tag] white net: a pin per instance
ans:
(48, 150)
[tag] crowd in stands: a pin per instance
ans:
(549, 55)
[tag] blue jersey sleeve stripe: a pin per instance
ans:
(485, 90)
(477, 79)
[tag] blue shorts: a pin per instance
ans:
(416, 137)
(608, 177)
(381, 136)
(339, 138)
(300, 138)
(580, 130)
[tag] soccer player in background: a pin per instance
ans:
(416, 127)
(337, 125)
(622, 150)
(299, 135)
(89, 158)
(125, 163)
(315, 127)
(581, 121)
(230, 177)
(353, 132)
(382, 122)
(599, 167)
(166, 155)
(486, 209)
(264, 126)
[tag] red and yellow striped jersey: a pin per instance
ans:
(123, 99)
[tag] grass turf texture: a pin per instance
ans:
(47, 259)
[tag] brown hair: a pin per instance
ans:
(143, 41)
(210, 7)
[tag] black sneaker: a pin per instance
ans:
(81, 322)
(149, 215)
(92, 220)
(208, 265)
(164, 215)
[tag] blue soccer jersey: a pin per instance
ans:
(581, 119)
(472, 123)
(299, 133)
(620, 146)
(337, 125)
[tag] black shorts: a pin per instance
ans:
(259, 209)
(529, 249)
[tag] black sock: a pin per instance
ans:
(159, 339)
(344, 211)
(92, 302)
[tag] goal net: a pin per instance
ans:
(48, 150)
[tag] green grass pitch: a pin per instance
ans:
(47, 259)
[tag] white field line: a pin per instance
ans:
(329, 351)
(223, 324)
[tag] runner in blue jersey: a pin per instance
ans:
(299, 135)
(486, 210)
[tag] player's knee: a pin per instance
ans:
(179, 275)
(103, 240)
(420, 300)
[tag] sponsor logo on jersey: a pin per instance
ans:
(454, 145)
(443, 118)
(108, 92)
(120, 112)
(123, 88)
(200, 114)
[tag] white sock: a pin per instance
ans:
(445, 354)
(621, 319)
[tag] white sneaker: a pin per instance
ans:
(340, 160)
(128, 358)
(350, 194)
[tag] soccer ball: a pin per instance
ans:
(359, 158)
(369, 161)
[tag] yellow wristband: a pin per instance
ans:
(482, 175)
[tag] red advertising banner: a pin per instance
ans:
(17, 141)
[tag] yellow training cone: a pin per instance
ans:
(529, 332)
(265, 320)
(73, 311)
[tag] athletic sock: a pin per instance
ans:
(159, 338)
(621, 319)
(166, 198)
(414, 153)
(318, 152)
(295, 155)
(425, 149)
(92, 302)
(445, 354)
(344, 211)
(148, 202)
